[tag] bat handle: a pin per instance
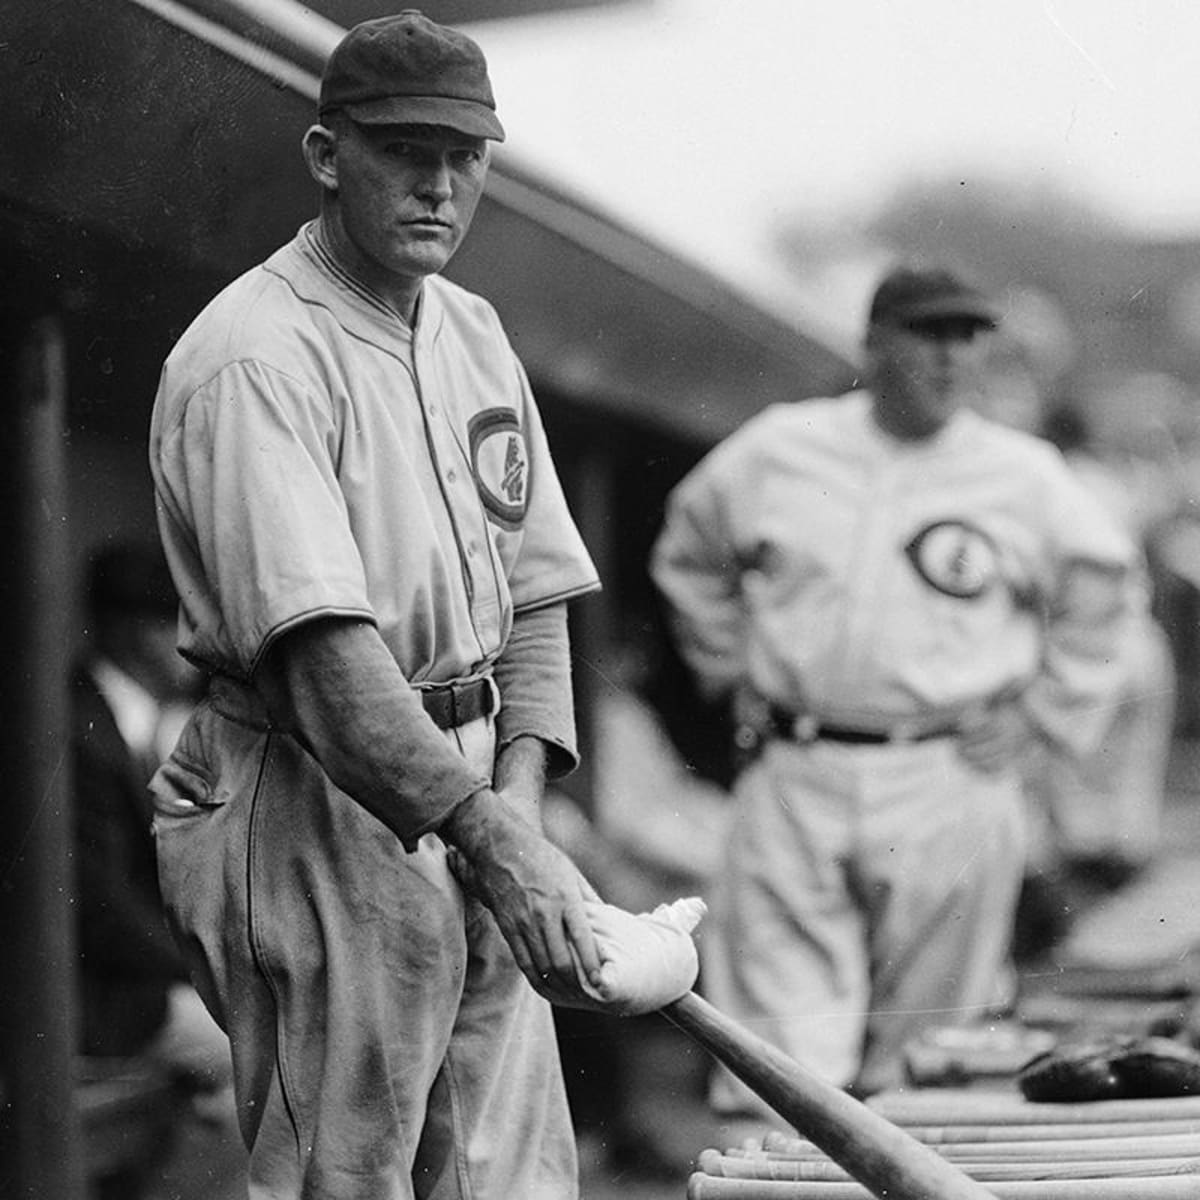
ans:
(880, 1155)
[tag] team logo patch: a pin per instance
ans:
(955, 558)
(500, 462)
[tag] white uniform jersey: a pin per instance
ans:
(839, 571)
(300, 424)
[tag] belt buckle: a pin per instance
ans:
(460, 689)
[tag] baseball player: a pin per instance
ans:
(374, 557)
(898, 597)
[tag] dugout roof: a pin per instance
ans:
(153, 154)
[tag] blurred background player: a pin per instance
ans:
(898, 598)
(131, 693)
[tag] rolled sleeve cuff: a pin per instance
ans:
(454, 789)
(534, 677)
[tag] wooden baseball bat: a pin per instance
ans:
(726, 1166)
(951, 1134)
(1155, 1187)
(882, 1157)
(943, 1106)
(1177, 1145)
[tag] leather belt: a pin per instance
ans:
(807, 728)
(460, 701)
(449, 705)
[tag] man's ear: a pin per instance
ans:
(320, 155)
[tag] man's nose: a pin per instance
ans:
(435, 181)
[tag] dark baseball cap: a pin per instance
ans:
(407, 70)
(909, 294)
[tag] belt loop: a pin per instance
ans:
(494, 688)
(805, 728)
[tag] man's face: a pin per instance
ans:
(924, 371)
(406, 195)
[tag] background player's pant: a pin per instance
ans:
(385, 1044)
(868, 893)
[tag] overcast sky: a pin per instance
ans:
(707, 120)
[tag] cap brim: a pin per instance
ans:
(464, 116)
(948, 308)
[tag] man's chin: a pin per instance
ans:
(422, 260)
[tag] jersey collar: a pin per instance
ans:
(317, 278)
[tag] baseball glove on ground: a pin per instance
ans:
(1113, 1068)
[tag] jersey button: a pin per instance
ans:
(451, 475)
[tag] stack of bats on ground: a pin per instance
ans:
(1013, 1148)
(951, 1144)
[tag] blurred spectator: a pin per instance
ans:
(900, 598)
(130, 694)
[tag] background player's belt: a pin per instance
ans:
(460, 701)
(807, 728)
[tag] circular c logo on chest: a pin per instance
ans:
(955, 558)
(500, 464)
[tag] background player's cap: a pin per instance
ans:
(407, 70)
(909, 294)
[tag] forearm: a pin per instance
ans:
(695, 567)
(521, 768)
(366, 726)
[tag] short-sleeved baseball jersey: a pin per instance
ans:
(300, 424)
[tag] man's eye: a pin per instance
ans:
(399, 149)
(465, 159)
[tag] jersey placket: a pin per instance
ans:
(866, 583)
(464, 508)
